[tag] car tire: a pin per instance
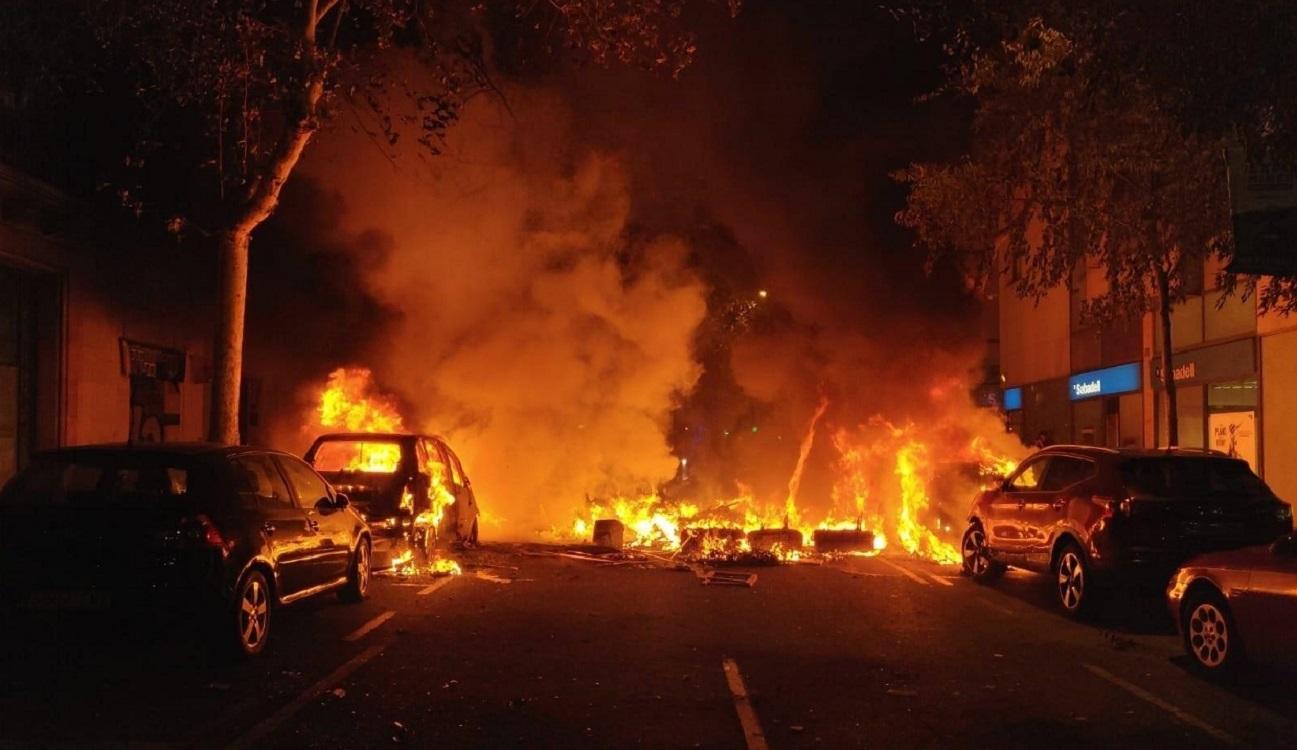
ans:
(1072, 582)
(1210, 636)
(358, 574)
(253, 605)
(977, 562)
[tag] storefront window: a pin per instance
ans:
(1231, 419)
(1189, 408)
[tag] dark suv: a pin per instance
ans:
(411, 489)
(229, 531)
(1097, 515)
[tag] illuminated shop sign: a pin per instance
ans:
(1012, 399)
(1105, 382)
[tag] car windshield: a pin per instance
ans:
(98, 480)
(368, 456)
(1179, 476)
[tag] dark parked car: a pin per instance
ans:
(1094, 515)
(411, 489)
(230, 531)
(1238, 604)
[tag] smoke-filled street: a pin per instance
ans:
(527, 649)
(754, 374)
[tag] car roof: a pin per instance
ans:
(1097, 451)
(377, 436)
(187, 450)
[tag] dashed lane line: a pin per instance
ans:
(263, 728)
(368, 627)
(440, 582)
(1218, 734)
(752, 734)
(908, 573)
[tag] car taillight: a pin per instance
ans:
(206, 532)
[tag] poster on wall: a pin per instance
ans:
(1234, 433)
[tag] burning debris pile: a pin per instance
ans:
(905, 485)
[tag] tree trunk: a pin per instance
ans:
(228, 350)
(1168, 373)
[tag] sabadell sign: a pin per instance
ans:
(1106, 382)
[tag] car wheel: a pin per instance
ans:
(1072, 580)
(252, 614)
(1209, 633)
(357, 587)
(977, 562)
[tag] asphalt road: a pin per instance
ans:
(536, 651)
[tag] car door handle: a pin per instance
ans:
(312, 524)
(268, 527)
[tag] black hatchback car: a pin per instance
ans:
(1096, 515)
(230, 531)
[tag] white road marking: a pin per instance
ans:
(752, 733)
(365, 629)
(434, 586)
(272, 722)
(940, 579)
(908, 573)
(1179, 713)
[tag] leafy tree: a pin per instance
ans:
(228, 94)
(1068, 166)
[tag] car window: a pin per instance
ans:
(1065, 471)
(306, 483)
(1029, 475)
(258, 483)
(99, 481)
(435, 465)
(366, 456)
(1179, 476)
(456, 471)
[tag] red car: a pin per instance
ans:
(1236, 605)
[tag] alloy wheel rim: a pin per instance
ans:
(254, 611)
(975, 551)
(1071, 581)
(1208, 635)
(362, 568)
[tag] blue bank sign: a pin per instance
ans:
(1012, 399)
(1105, 382)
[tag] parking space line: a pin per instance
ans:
(752, 733)
(1179, 713)
(261, 729)
(908, 573)
(365, 629)
(434, 586)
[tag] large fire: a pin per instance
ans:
(904, 485)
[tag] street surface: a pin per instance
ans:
(532, 650)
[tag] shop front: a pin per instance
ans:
(1107, 407)
(1218, 399)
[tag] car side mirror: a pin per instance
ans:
(341, 501)
(1285, 546)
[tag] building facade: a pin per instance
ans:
(101, 339)
(1234, 370)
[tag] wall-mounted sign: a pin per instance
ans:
(1228, 361)
(143, 360)
(1106, 382)
(1012, 399)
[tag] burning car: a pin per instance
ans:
(411, 489)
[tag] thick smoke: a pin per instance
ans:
(548, 344)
